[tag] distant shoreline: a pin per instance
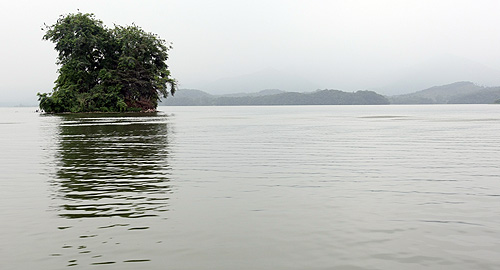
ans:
(455, 93)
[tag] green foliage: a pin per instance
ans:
(120, 69)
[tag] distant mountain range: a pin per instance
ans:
(455, 93)
(190, 97)
(438, 70)
(268, 78)
(401, 79)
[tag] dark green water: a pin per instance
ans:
(306, 187)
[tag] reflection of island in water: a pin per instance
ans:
(113, 165)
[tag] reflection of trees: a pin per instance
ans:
(113, 165)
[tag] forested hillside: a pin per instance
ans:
(321, 97)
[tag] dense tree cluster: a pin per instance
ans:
(102, 69)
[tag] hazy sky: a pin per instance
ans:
(346, 45)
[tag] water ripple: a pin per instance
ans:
(113, 170)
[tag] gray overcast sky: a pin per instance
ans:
(346, 45)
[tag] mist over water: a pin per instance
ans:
(285, 187)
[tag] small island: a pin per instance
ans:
(106, 70)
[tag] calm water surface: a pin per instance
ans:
(300, 187)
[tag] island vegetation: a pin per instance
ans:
(106, 69)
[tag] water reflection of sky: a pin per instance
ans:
(112, 175)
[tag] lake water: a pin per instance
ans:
(299, 187)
